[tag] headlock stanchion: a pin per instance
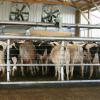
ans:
(8, 38)
(8, 62)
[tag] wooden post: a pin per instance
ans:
(77, 21)
(88, 23)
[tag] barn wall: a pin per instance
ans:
(35, 12)
(67, 14)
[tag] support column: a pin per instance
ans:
(77, 21)
(89, 23)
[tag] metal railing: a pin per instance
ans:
(91, 26)
(8, 38)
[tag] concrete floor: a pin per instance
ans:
(65, 93)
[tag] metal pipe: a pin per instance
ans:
(91, 26)
(50, 25)
(54, 65)
(24, 65)
(49, 82)
(8, 62)
(49, 38)
(25, 23)
(62, 60)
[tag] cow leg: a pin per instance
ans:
(59, 72)
(3, 71)
(43, 67)
(22, 68)
(71, 71)
(82, 71)
(99, 68)
(37, 67)
(56, 71)
(67, 72)
(46, 68)
(41, 62)
(31, 68)
(42, 70)
(14, 59)
(91, 72)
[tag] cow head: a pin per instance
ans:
(89, 51)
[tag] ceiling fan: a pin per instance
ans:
(19, 12)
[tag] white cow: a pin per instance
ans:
(27, 55)
(76, 57)
(3, 46)
(55, 57)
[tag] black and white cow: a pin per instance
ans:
(43, 50)
(91, 53)
(14, 55)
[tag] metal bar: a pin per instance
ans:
(8, 62)
(50, 82)
(54, 64)
(50, 25)
(62, 60)
(24, 65)
(91, 26)
(49, 38)
(32, 84)
(25, 23)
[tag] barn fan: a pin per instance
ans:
(19, 12)
(50, 13)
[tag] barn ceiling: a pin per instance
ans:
(83, 4)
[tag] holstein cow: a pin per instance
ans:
(91, 55)
(3, 46)
(76, 56)
(43, 50)
(27, 55)
(14, 55)
(55, 57)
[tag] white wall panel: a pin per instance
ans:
(68, 14)
(35, 12)
(4, 10)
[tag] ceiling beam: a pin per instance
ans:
(91, 5)
(57, 2)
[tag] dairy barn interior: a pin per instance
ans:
(50, 43)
